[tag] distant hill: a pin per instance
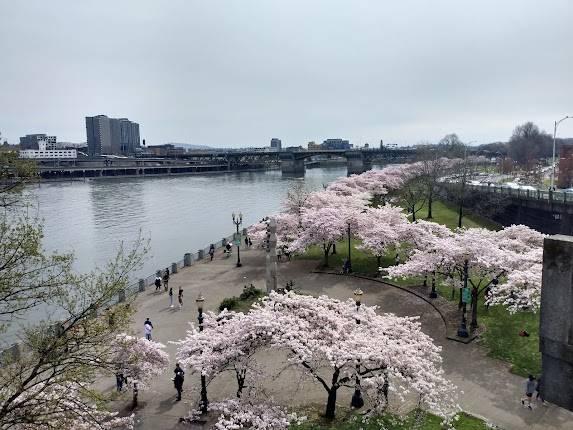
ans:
(189, 145)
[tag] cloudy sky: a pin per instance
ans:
(236, 73)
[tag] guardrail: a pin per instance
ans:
(14, 351)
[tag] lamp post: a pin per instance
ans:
(554, 137)
(238, 220)
(463, 330)
(357, 401)
(433, 293)
(349, 268)
(204, 401)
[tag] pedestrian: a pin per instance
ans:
(211, 251)
(178, 380)
(170, 297)
(279, 254)
(250, 242)
(147, 328)
(119, 381)
(539, 389)
(228, 248)
(529, 389)
(157, 283)
(247, 241)
(180, 297)
(346, 267)
(166, 278)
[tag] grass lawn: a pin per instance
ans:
(425, 421)
(501, 336)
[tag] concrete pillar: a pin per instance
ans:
(187, 260)
(201, 254)
(355, 162)
(141, 285)
(556, 321)
(290, 165)
(173, 267)
(121, 296)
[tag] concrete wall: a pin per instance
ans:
(556, 322)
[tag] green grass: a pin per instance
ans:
(424, 421)
(501, 336)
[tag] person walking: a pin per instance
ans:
(178, 380)
(180, 297)
(170, 297)
(211, 251)
(119, 381)
(147, 328)
(529, 389)
(247, 241)
(166, 279)
(157, 283)
(250, 242)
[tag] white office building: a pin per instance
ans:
(44, 152)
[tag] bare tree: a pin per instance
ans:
(413, 195)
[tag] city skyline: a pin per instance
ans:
(237, 74)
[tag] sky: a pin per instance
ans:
(237, 73)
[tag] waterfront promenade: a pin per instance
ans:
(486, 387)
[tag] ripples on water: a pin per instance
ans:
(179, 214)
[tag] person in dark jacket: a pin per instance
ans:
(166, 279)
(178, 380)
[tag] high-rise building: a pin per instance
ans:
(336, 144)
(31, 141)
(276, 143)
(111, 135)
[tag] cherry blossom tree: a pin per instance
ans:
(380, 229)
(485, 259)
(138, 358)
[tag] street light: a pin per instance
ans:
(204, 401)
(554, 137)
(463, 330)
(238, 220)
(357, 401)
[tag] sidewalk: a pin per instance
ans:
(487, 389)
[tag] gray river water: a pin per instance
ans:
(178, 214)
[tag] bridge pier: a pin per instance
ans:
(290, 165)
(356, 162)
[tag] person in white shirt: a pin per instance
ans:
(147, 328)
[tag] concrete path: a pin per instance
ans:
(486, 387)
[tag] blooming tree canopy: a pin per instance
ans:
(381, 352)
(138, 358)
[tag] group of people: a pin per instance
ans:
(166, 287)
(533, 385)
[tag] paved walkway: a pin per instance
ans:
(487, 388)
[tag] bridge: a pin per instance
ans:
(292, 162)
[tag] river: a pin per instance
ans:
(178, 214)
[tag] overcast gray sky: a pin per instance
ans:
(236, 73)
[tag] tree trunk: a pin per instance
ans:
(331, 404)
(430, 201)
(326, 252)
(379, 261)
(333, 248)
(413, 213)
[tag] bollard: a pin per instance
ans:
(173, 268)
(121, 296)
(187, 260)
(201, 254)
(141, 285)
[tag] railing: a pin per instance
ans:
(544, 195)
(14, 351)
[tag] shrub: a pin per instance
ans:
(229, 303)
